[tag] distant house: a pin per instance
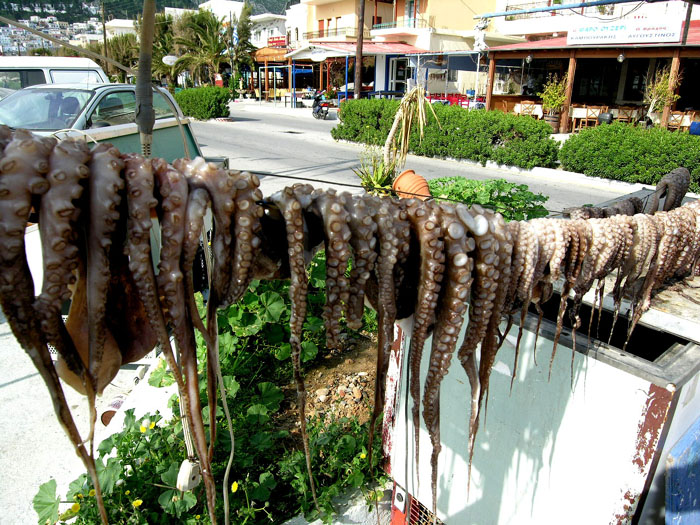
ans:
(120, 26)
(224, 9)
(268, 29)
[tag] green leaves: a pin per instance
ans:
(270, 395)
(513, 201)
(108, 474)
(309, 350)
(272, 306)
(46, 503)
(263, 487)
(257, 414)
(161, 376)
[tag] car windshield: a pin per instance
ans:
(43, 108)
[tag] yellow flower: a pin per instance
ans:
(197, 516)
(363, 455)
(234, 486)
(153, 424)
(91, 493)
(142, 429)
(127, 492)
(137, 503)
(75, 507)
(79, 496)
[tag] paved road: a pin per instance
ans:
(291, 143)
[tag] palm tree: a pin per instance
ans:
(125, 50)
(203, 44)
(163, 45)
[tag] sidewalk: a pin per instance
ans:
(278, 107)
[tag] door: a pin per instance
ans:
(399, 73)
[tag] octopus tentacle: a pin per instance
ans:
(105, 186)
(425, 220)
(291, 209)
(363, 242)
(393, 231)
(452, 307)
(25, 160)
(247, 224)
(329, 207)
(58, 213)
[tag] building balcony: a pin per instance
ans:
(342, 32)
(401, 26)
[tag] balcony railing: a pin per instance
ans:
(341, 31)
(419, 23)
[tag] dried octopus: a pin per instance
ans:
(439, 263)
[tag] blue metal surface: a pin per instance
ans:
(683, 479)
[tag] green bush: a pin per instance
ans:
(513, 201)
(205, 102)
(631, 153)
(475, 135)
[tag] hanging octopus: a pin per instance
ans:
(436, 264)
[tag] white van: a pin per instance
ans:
(20, 72)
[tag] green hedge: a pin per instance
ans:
(475, 135)
(205, 102)
(631, 153)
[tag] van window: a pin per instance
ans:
(21, 78)
(60, 76)
(161, 107)
(114, 109)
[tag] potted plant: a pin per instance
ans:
(553, 96)
(660, 90)
(376, 175)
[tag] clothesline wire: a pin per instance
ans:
(377, 188)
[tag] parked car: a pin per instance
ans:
(21, 72)
(102, 112)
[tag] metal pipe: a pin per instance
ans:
(554, 8)
(145, 116)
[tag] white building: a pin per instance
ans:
(296, 20)
(268, 29)
(224, 9)
(120, 26)
(84, 39)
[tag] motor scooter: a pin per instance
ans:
(319, 108)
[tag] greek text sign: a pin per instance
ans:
(626, 32)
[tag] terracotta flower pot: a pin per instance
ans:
(413, 184)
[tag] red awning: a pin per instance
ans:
(560, 42)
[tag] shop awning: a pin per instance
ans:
(343, 49)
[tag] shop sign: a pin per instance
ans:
(626, 32)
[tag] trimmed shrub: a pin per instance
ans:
(205, 102)
(475, 135)
(631, 153)
(513, 201)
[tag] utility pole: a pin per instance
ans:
(358, 50)
(104, 37)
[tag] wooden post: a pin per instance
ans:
(564, 120)
(375, 13)
(489, 87)
(267, 82)
(320, 76)
(675, 67)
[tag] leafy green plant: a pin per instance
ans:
(631, 153)
(375, 175)
(137, 469)
(205, 102)
(480, 136)
(513, 201)
(660, 89)
(553, 94)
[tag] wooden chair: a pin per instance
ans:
(592, 114)
(675, 120)
(626, 114)
(528, 107)
(692, 117)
